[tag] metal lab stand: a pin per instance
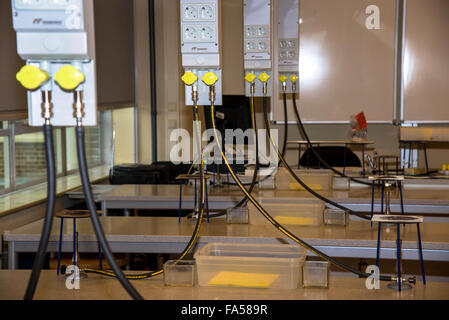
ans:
(196, 177)
(398, 220)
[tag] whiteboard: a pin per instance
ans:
(426, 62)
(344, 67)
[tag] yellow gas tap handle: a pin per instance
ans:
(294, 78)
(210, 78)
(69, 77)
(283, 78)
(189, 78)
(32, 77)
(264, 77)
(250, 77)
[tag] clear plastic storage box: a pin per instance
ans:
(340, 183)
(181, 274)
(335, 217)
(315, 274)
(237, 215)
(250, 265)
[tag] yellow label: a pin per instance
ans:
(300, 221)
(241, 279)
(297, 186)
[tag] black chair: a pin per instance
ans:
(335, 156)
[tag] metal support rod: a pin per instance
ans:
(421, 258)
(399, 256)
(74, 243)
(425, 158)
(382, 202)
(180, 202)
(378, 244)
(372, 202)
(60, 245)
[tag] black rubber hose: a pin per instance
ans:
(48, 222)
(291, 235)
(94, 215)
(293, 174)
(306, 136)
(195, 234)
(244, 201)
(284, 145)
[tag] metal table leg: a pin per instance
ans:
(12, 255)
(425, 158)
(363, 160)
(372, 202)
(74, 243)
(378, 244)
(344, 160)
(382, 197)
(402, 199)
(421, 255)
(399, 256)
(180, 202)
(60, 245)
(207, 204)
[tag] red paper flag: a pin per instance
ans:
(361, 121)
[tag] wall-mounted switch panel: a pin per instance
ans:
(257, 40)
(200, 44)
(58, 32)
(288, 40)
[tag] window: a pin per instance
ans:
(22, 148)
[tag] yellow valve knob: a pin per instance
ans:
(189, 78)
(283, 78)
(32, 77)
(294, 78)
(250, 77)
(69, 77)
(210, 78)
(264, 77)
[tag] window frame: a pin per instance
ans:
(14, 128)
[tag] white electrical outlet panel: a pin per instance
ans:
(200, 44)
(288, 40)
(257, 40)
(58, 32)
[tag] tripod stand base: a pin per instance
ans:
(394, 286)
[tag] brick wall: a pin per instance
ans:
(30, 156)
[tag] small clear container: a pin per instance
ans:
(315, 274)
(181, 274)
(237, 215)
(340, 183)
(335, 217)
